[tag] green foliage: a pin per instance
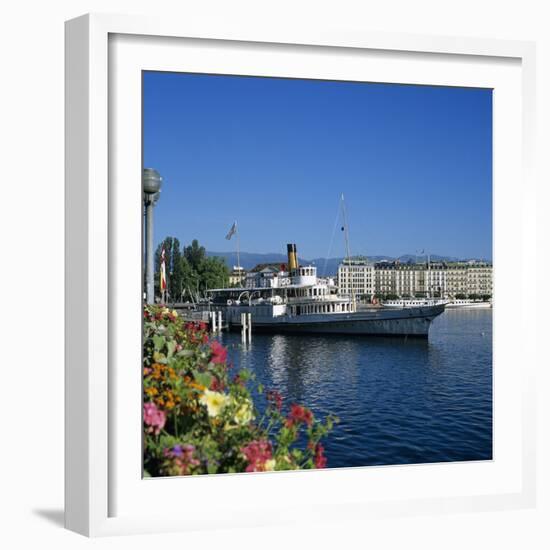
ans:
(191, 270)
(213, 273)
(175, 283)
(198, 419)
(194, 254)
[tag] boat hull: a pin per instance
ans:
(413, 322)
(475, 305)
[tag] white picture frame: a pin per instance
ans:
(103, 56)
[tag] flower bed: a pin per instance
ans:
(200, 418)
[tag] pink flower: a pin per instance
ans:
(257, 453)
(180, 459)
(219, 353)
(153, 418)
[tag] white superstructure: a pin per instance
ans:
(294, 299)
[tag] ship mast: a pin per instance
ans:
(346, 236)
(429, 277)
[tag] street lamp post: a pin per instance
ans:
(152, 182)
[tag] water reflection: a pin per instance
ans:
(399, 400)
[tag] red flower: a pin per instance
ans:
(298, 415)
(274, 397)
(320, 458)
(216, 385)
(219, 353)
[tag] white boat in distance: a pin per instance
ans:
(415, 302)
(295, 300)
(449, 304)
(468, 304)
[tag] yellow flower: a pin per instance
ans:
(214, 402)
(157, 356)
(244, 414)
(269, 465)
(174, 313)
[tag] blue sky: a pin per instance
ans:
(414, 164)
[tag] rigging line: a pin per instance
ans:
(331, 240)
(346, 234)
(346, 229)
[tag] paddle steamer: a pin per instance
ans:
(296, 300)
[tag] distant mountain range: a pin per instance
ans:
(324, 266)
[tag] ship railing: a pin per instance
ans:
(318, 299)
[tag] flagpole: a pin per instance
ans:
(238, 250)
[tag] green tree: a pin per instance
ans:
(213, 273)
(174, 269)
(192, 272)
(167, 244)
(176, 272)
(190, 278)
(194, 254)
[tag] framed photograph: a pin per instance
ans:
(294, 285)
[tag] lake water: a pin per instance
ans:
(399, 401)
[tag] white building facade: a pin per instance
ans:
(438, 279)
(237, 276)
(356, 277)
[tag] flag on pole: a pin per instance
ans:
(232, 231)
(163, 270)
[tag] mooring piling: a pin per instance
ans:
(246, 327)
